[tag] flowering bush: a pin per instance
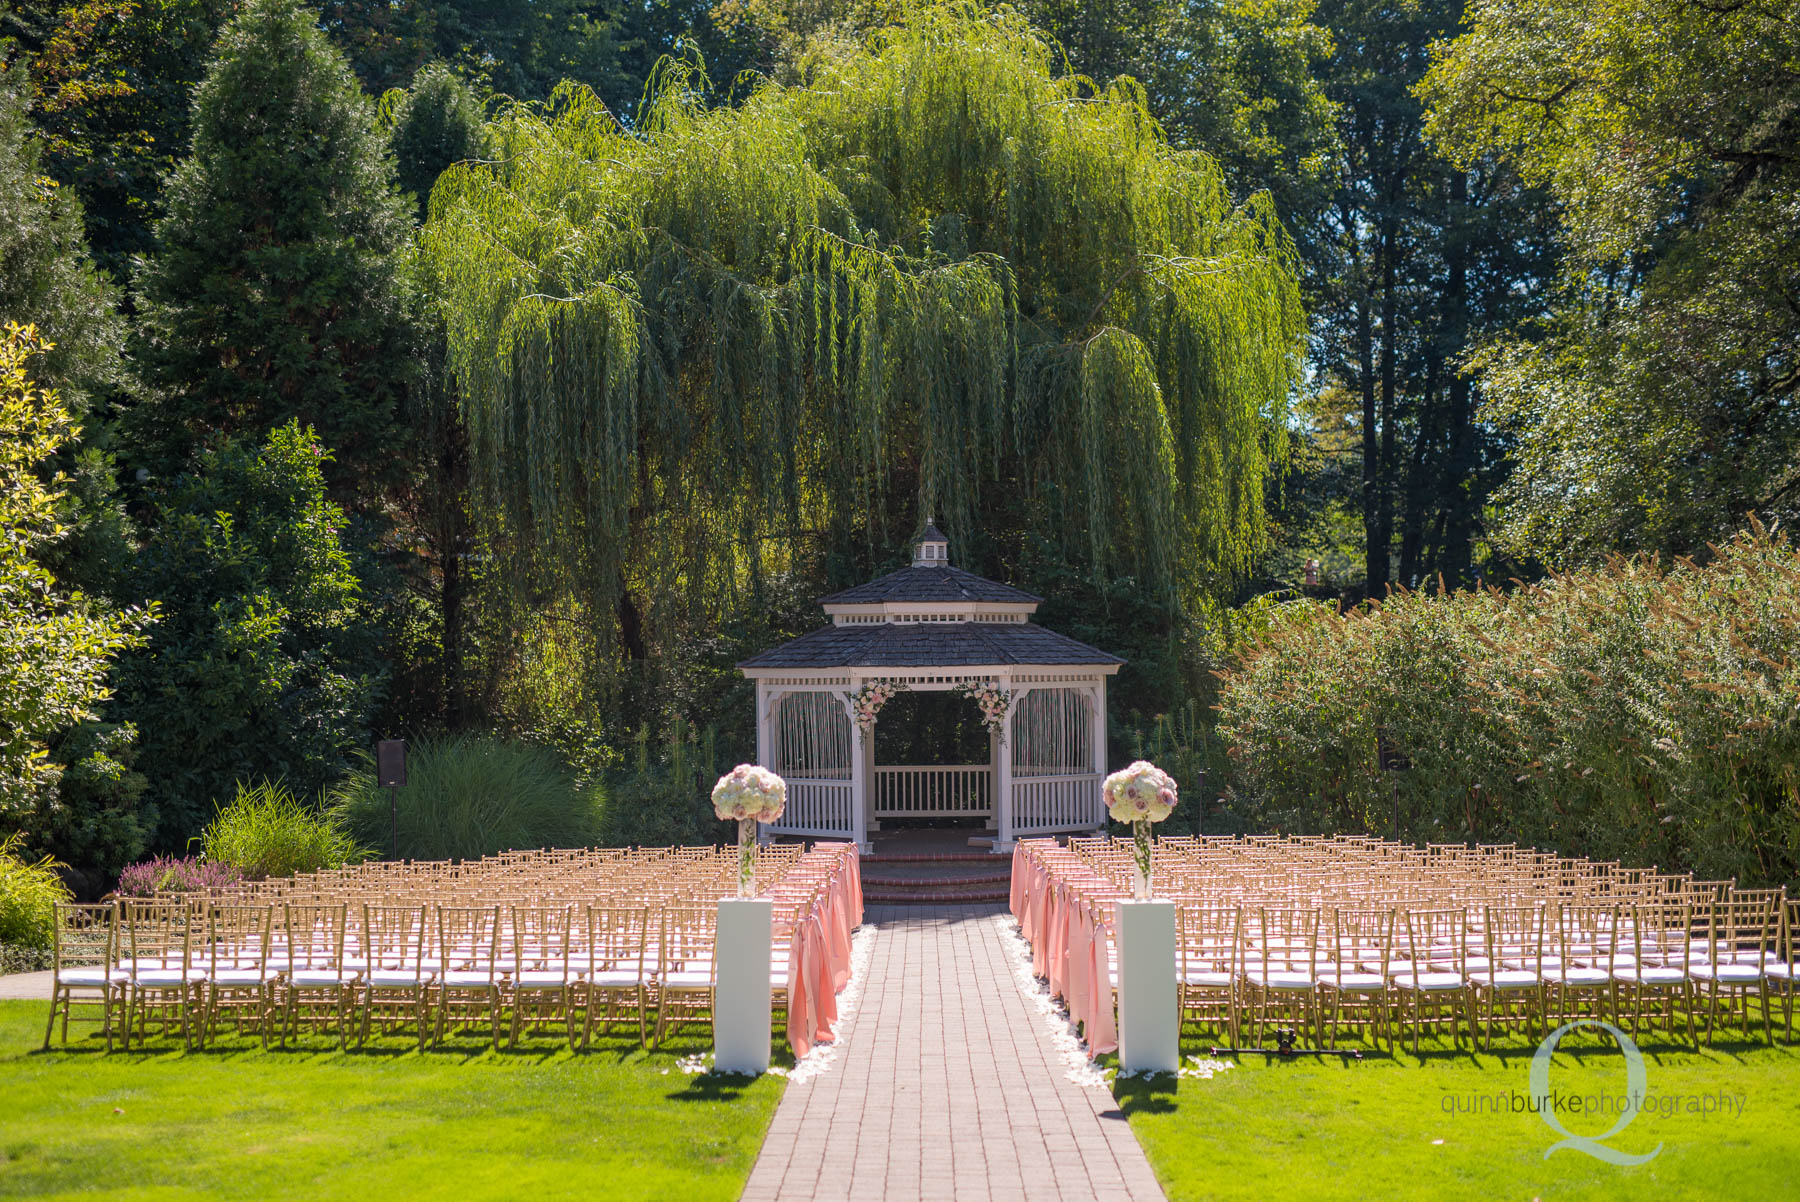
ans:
(749, 793)
(991, 701)
(868, 700)
(1140, 793)
(169, 874)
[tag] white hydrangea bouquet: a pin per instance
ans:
(1140, 794)
(750, 794)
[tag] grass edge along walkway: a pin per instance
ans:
(1325, 1130)
(314, 1123)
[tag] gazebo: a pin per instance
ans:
(933, 627)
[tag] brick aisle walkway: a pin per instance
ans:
(946, 1086)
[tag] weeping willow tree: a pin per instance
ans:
(938, 276)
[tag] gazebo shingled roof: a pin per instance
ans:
(929, 644)
(943, 583)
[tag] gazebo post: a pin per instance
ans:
(1099, 746)
(861, 754)
(1003, 790)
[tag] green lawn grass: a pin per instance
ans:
(466, 1122)
(1324, 1129)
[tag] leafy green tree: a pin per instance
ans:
(1415, 261)
(46, 278)
(55, 647)
(279, 291)
(112, 83)
(433, 124)
(942, 276)
(266, 664)
(1663, 403)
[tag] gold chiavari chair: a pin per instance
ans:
(541, 984)
(685, 973)
(1280, 968)
(1354, 979)
(1577, 980)
(1209, 939)
(84, 968)
(397, 980)
(1649, 965)
(468, 983)
(1509, 987)
(1781, 971)
(1430, 975)
(318, 988)
(160, 980)
(239, 980)
(1737, 953)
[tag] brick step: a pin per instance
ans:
(945, 897)
(934, 882)
(895, 857)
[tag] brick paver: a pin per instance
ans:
(946, 1086)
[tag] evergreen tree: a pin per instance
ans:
(279, 290)
(266, 660)
(46, 278)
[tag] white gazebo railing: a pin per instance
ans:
(1058, 803)
(934, 791)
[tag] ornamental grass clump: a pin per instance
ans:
(469, 796)
(268, 831)
(29, 891)
(1637, 711)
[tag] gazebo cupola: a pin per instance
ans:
(934, 627)
(933, 548)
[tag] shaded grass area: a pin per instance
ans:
(1410, 1127)
(311, 1122)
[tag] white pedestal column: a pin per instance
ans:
(1149, 1027)
(741, 1000)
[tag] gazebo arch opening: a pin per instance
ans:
(933, 762)
(932, 628)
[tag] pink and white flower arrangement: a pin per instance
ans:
(867, 701)
(749, 793)
(993, 702)
(1140, 794)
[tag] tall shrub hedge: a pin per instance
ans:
(1636, 711)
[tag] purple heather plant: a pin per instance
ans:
(170, 874)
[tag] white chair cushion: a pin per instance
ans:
(165, 978)
(1285, 980)
(1354, 982)
(458, 978)
(612, 978)
(320, 978)
(540, 979)
(240, 978)
(1214, 979)
(399, 978)
(1650, 974)
(1577, 976)
(1429, 982)
(92, 978)
(1782, 971)
(687, 979)
(1516, 978)
(1726, 974)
